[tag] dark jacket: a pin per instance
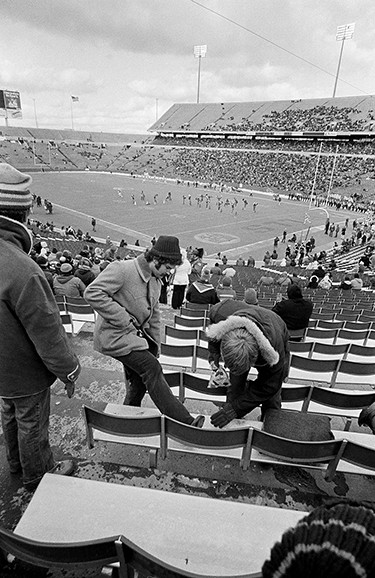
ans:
(202, 292)
(294, 312)
(34, 348)
(272, 336)
(85, 275)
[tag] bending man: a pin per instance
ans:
(246, 336)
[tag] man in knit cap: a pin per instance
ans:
(126, 297)
(245, 336)
(34, 348)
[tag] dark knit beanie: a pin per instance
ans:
(294, 291)
(335, 541)
(167, 247)
(14, 185)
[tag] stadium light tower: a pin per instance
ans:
(199, 52)
(344, 32)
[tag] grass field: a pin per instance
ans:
(77, 197)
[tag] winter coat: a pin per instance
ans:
(271, 335)
(85, 275)
(68, 285)
(126, 297)
(34, 348)
(182, 272)
(202, 292)
(294, 312)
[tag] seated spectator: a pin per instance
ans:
(225, 290)
(110, 253)
(64, 283)
(356, 282)
(319, 272)
(313, 282)
(295, 311)
(42, 261)
(84, 272)
(201, 291)
(335, 540)
(283, 280)
(240, 262)
(345, 284)
(251, 296)
(266, 280)
(326, 282)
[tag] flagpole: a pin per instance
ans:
(71, 111)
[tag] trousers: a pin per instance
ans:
(25, 422)
(144, 373)
(244, 396)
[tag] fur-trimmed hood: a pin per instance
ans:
(216, 332)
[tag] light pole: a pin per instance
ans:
(199, 52)
(344, 32)
(36, 118)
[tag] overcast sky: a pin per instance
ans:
(130, 60)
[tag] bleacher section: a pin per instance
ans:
(345, 114)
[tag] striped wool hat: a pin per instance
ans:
(14, 188)
(332, 541)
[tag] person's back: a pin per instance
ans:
(225, 290)
(67, 284)
(201, 291)
(357, 283)
(295, 311)
(266, 280)
(85, 272)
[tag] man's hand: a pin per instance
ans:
(69, 388)
(224, 416)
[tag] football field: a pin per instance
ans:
(79, 196)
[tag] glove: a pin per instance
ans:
(69, 388)
(71, 379)
(223, 416)
(219, 378)
(367, 417)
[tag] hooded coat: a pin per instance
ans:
(271, 335)
(34, 348)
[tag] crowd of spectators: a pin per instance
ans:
(281, 171)
(69, 273)
(317, 118)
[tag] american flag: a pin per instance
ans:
(75, 98)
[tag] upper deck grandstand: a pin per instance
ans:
(353, 114)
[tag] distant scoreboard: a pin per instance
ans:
(10, 104)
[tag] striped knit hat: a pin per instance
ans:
(14, 185)
(332, 541)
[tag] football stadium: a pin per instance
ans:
(187, 331)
